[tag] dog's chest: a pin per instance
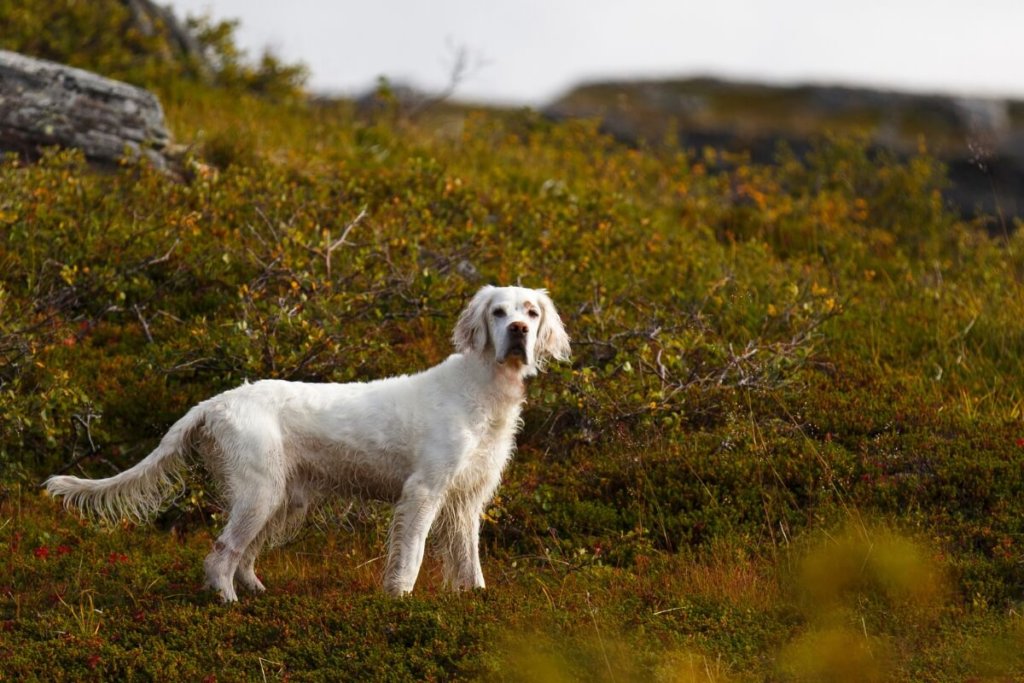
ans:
(496, 440)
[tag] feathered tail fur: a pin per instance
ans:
(139, 492)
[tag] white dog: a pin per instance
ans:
(434, 443)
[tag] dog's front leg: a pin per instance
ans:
(462, 554)
(414, 514)
(459, 541)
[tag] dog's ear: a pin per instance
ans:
(471, 330)
(552, 340)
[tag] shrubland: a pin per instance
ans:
(788, 446)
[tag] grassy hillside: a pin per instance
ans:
(789, 446)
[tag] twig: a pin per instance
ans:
(369, 561)
(331, 246)
(163, 259)
(460, 69)
(93, 450)
(86, 425)
(269, 661)
(145, 325)
(666, 611)
(600, 639)
(190, 363)
(273, 230)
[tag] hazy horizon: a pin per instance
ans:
(534, 51)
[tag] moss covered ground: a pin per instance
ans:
(789, 446)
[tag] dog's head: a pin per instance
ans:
(519, 326)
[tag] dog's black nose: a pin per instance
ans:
(518, 329)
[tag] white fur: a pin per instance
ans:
(434, 443)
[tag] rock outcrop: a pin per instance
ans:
(43, 103)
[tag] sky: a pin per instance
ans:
(530, 51)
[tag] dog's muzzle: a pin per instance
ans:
(517, 333)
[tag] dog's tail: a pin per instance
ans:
(139, 492)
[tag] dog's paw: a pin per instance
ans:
(252, 583)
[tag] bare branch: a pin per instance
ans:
(462, 66)
(142, 320)
(331, 246)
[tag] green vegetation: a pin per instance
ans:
(789, 446)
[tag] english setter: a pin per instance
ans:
(434, 443)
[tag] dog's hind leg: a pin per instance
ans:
(245, 574)
(285, 522)
(246, 521)
(256, 496)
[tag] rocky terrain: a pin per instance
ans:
(981, 141)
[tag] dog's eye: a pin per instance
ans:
(499, 313)
(533, 313)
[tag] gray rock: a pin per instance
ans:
(44, 103)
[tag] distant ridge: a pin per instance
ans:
(981, 140)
